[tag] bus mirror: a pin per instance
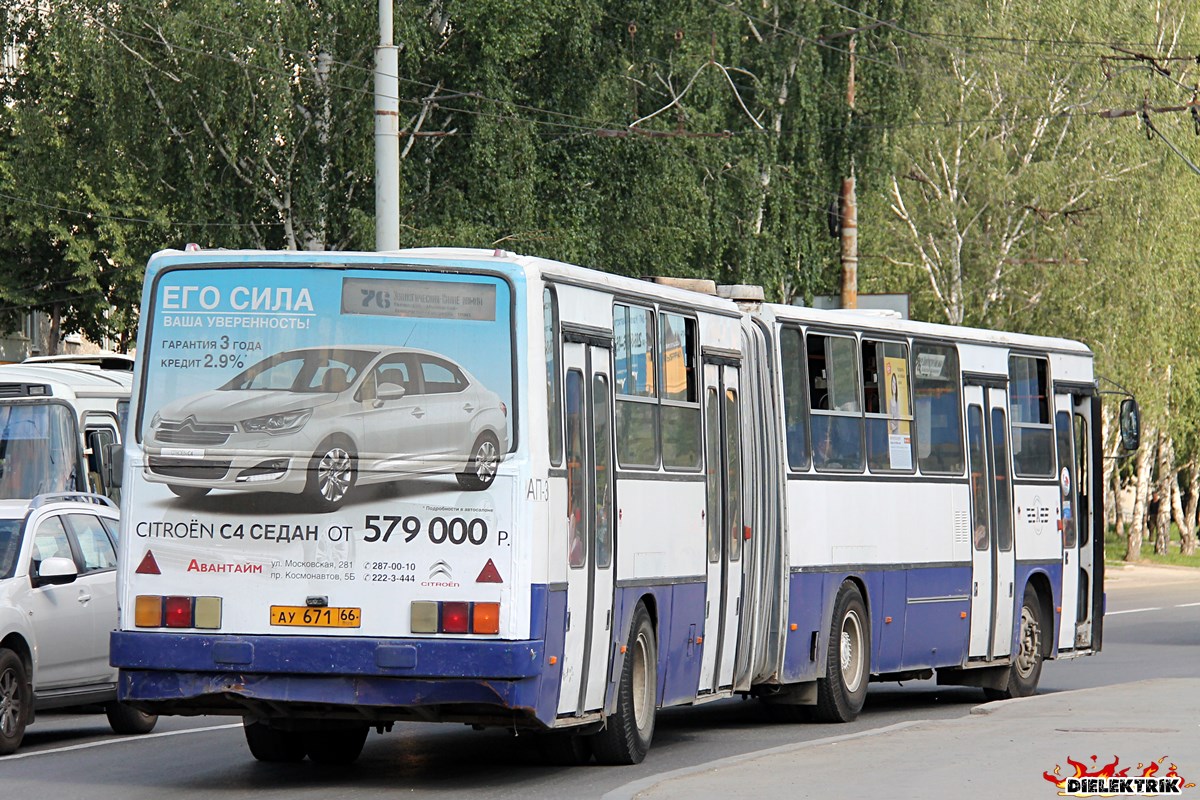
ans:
(112, 465)
(1131, 424)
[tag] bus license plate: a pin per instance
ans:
(309, 617)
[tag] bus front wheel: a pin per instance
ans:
(627, 732)
(843, 690)
(1026, 668)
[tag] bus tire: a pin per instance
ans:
(628, 732)
(843, 690)
(564, 749)
(332, 473)
(14, 701)
(1026, 668)
(128, 720)
(188, 492)
(338, 746)
(273, 745)
(481, 467)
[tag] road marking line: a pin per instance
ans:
(122, 740)
(1130, 611)
(1187, 605)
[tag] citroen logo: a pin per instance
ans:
(440, 569)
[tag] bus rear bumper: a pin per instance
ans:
(329, 677)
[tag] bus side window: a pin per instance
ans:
(97, 440)
(833, 374)
(636, 385)
(791, 358)
(1029, 415)
(938, 408)
(887, 404)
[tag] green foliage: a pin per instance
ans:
(636, 136)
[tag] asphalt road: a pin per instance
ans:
(1152, 630)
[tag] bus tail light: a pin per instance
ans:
(148, 611)
(454, 616)
(177, 611)
(485, 618)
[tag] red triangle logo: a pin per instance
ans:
(148, 566)
(489, 574)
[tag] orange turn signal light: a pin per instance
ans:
(485, 618)
(148, 611)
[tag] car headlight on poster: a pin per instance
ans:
(289, 422)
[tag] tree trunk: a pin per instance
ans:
(1118, 515)
(1164, 480)
(1142, 480)
(1187, 521)
(1112, 475)
(55, 330)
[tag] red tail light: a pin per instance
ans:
(455, 618)
(177, 612)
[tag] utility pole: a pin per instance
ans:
(849, 215)
(387, 135)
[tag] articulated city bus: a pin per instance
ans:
(471, 486)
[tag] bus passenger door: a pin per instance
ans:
(1067, 520)
(1003, 554)
(589, 527)
(723, 515)
(1086, 411)
(981, 527)
(993, 558)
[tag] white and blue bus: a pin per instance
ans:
(57, 419)
(471, 486)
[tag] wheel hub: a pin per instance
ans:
(1030, 645)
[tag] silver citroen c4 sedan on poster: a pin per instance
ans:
(321, 420)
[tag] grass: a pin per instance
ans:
(1114, 551)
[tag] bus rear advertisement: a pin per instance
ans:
(469, 486)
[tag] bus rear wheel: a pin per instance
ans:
(627, 733)
(274, 745)
(338, 746)
(843, 690)
(1026, 668)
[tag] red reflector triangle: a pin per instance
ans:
(148, 566)
(489, 574)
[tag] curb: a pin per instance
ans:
(630, 790)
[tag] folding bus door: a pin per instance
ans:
(587, 402)
(993, 558)
(1067, 520)
(723, 515)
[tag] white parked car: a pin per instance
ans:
(58, 604)
(321, 420)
